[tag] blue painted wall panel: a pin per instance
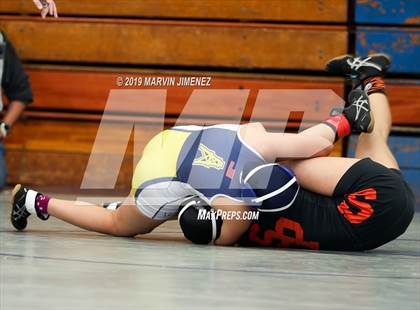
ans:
(412, 176)
(402, 44)
(406, 150)
(388, 12)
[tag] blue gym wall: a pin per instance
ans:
(393, 27)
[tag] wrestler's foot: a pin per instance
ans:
(358, 112)
(359, 68)
(21, 196)
(19, 213)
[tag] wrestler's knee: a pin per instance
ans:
(123, 228)
(118, 230)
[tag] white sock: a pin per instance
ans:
(30, 201)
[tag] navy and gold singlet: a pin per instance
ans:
(191, 160)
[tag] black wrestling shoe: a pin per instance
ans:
(359, 68)
(358, 112)
(19, 213)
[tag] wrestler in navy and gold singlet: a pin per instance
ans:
(186, 161)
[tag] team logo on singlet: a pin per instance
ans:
(209, 159)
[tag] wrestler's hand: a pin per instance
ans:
(46, 7)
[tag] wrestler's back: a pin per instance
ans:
(210, 159)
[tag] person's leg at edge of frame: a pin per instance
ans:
(3, 167)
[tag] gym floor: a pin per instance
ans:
(54, 265)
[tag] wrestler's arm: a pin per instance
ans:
(312, 142)
(232, 229)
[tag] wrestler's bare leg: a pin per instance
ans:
(126, 221)
(374, 144)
